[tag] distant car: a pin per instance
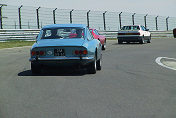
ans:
(66, 45)
(102, 38)
(134, 33)
(174, 32)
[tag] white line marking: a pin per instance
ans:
(158, 61)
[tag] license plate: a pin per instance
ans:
(59, 52)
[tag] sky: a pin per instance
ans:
(151, 7)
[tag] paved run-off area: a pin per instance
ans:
(130, 85)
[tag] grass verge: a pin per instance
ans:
(16, 43)
(111, 38)
(11, 44)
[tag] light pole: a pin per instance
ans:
(133, 18)
(71, 15)
(1, 5)
(167, 23)
(120, 20)
(145, 20)
(54, 15)
(88, 18)
(38, 22)
(19, 14)
(156, 20)
(104, 20)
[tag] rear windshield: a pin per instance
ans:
(62, 33)
(130, 28)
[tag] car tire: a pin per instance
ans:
(92, 68)
(104, 46)
(99, 64)
(142, 41)
(149, 39)
(35, 68)
(119, 42)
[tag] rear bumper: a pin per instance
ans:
(62, 61)
(132, 38)
(61, 58)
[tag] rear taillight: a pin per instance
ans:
(85, 52)
(40, 53)
(76, 52)
(33, 53)
(81, 52)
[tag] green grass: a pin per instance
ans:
(111, 38)
(11, 44)
(16, 43)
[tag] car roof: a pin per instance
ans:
(65, 25)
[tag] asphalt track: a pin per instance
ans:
(130, 85)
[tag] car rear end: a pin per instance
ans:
(129, 34)
(60, 56)
(55, 47)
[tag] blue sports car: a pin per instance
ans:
(66, 45)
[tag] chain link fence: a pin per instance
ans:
(24, 17)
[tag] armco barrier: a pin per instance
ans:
(18, 34)
(30, 34)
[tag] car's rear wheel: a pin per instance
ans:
(104, 46)
(35, 68)
(119, 41)
(99, 64)
(142, 41)
(92, 68)
(149, 39)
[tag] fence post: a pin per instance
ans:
(54, 15)
(1, 17)
(145, 20)
(167, 23)
(88, 18)
(133, 18)
(104, 20)
(156, 20)
(19, 14)
(71, 16)
(38, 22)
(120, 21)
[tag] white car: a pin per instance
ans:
(134, 33)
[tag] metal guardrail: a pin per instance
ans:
(30, 34)
(18, 34)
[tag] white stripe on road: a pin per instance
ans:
(158, 61)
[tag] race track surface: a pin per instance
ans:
(130, 85)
